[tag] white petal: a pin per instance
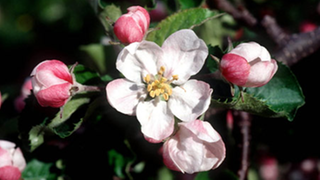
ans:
(7, 144)
(261, 73)
(18, 160)
(190, 100)
(184, 55)
(211, 139)
(5, 157)
(203, 130)
(157, 121)
(137, 60)
(264, 54)
(250, 51)
(124, 95)
(215, 154)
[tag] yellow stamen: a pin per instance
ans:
(165, 96)
(159, 85)
(152, 94)
(147, 78)
(175, 77)
(161, 71)
(149, 88)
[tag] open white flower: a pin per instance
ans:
(156, 86)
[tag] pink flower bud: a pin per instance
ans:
(195, 147)
(248, 65)
(51, 83)
(132, 27)
(25, 92)
(12, 162)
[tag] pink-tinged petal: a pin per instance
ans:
(5, 157)
(132, 31)
(9, 173)
(157, 121)
(213, 144)
(18, 159)
(26, 88)
(141, 16)
(188, 150)
(249, 51)
(124, 95)
(215, 154)
(203, 130)
(264, 54)
(184, 55)
(261, 73)
(7, 144)
(131, 27)
(166, 155)
(54, 96)
(137, 60)
(185, 151)
(45, 79)
(190, 100)
(235, 69)
(55, 68)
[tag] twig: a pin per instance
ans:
(240, 13)
(244, 123)
(292, 48)
(274, 30)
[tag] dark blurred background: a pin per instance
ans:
(33, 31)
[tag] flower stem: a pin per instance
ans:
(91, 88)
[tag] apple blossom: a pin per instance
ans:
(156, 86)
(195, 147)
(132, 27)
(248, 65)
(53, 84)
(12, 162)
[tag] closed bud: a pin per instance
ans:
(248, 65)
(51, 83)
(132, 26)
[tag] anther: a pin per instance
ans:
(161, 71)
(147, 79)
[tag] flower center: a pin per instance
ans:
(159, 85)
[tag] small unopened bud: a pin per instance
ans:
(248, 65)
(132, 26)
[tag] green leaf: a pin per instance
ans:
(36, 136)
(212, 64)
(185, 4)
(186, 19)
(86, 76)
(109, 15)
(120, 163)
(96, 52)
(281, 97)
(202, 176)
(36, 170)
(64, 125)
(282, 94)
